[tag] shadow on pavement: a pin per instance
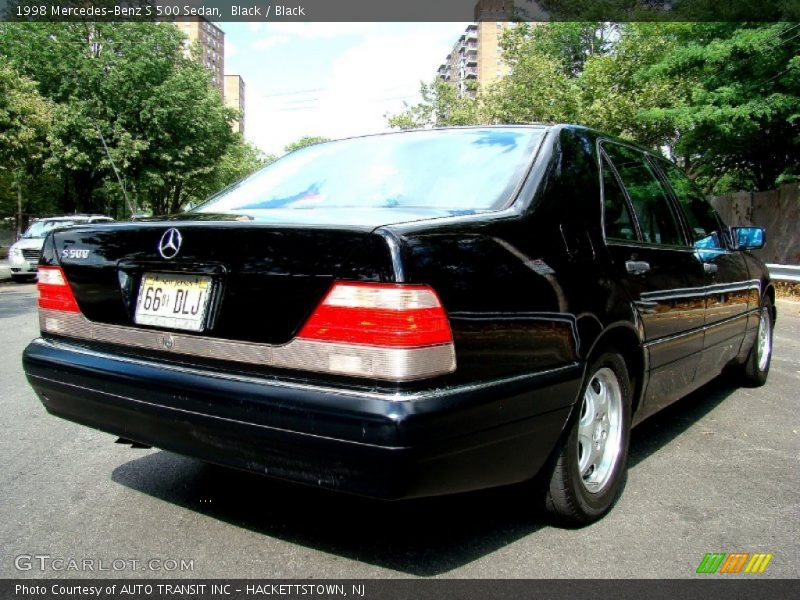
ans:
(421, 537)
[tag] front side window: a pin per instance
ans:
(706, 227)
(457, 170)
(649, 199)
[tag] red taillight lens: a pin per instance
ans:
(373, 314)
(54, 291)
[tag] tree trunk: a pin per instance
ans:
(19, 205)
(176, 198)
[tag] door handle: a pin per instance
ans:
(710, 268)
(637, 267)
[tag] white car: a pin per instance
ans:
(23, 256)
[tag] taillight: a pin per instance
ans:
(390, 331)
(395, 316)
(54, 291)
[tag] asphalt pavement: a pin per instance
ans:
(716, 472)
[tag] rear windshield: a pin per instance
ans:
(458, 170)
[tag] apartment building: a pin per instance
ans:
(211, 40)
(234, 97)
(476, 58)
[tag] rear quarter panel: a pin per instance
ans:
(528, 289)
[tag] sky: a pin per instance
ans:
(330, 79)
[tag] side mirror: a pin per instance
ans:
(748, 238)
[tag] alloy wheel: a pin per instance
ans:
(600, 430)
(764, 341)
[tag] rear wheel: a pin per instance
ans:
(589, 469)
(756, 368)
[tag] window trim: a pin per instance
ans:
(601, 141)
(727, 248)
(603, 161)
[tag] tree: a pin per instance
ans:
(538, 90)
(571, 44)
(127, 93)
(25, 120)
(739, 120)
(441, 105)
(241, 159)
(303, 142)
(616, 92)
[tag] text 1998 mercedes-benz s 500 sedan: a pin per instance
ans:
(410, 314)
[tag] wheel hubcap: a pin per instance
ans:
(764, 342)
(600, 430)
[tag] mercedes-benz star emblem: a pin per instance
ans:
(170, 243)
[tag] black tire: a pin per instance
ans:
(568, 498)
(23, 278)
(756, 370)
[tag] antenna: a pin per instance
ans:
(116, 172)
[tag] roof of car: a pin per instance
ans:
(74, 218)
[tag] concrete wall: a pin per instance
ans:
(777, 211)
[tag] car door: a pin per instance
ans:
(727, 280)
(654, 262)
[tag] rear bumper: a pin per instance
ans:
(383, 445)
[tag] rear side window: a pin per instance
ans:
(616, 214)
(706, 227)
(648, 196)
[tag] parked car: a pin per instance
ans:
(24, 254)
(410, 314)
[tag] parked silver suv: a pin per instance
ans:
(23, 256)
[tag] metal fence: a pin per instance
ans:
(788, 273)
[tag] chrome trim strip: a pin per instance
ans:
(391, 397)
(717, 288)
(702, 329)
(392, 364)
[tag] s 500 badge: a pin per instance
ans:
(75, 253)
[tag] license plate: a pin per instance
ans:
(173, 301)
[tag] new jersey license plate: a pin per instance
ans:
(173, 301)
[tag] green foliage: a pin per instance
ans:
(133, 86)
(240, 160)
(441, 105)
(25, 121)
(721, 98)
(738, 117)
(303, 142)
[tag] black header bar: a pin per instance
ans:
(399, 10)
(707, 588)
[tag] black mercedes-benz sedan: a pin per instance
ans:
(410, 314)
